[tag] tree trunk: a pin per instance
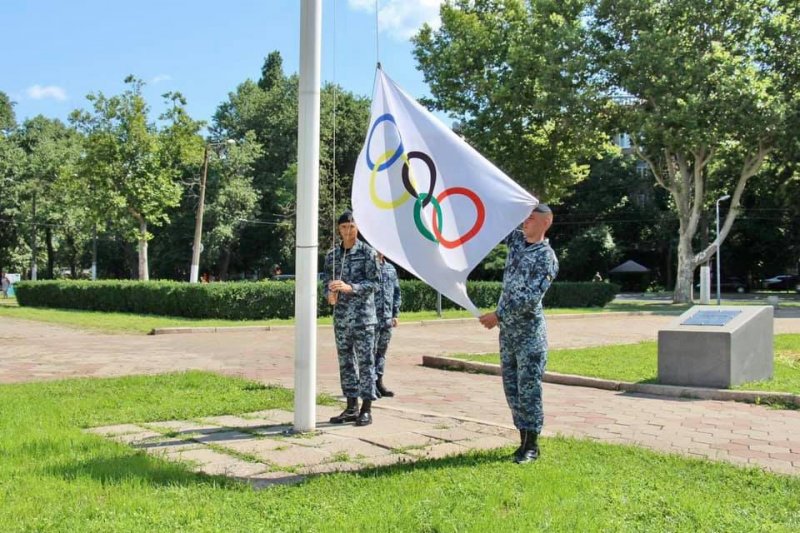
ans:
(225, 264)
(144, 274)
(51, 259)
(686, 266)
(668, 278)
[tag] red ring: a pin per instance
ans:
(478, 221)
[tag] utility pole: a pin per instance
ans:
(198, 221)
(94, 253)
(197, 244)
(33, 241)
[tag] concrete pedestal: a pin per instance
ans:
(718, 356)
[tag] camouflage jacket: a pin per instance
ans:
(387, 298)
(359, 268)
(529, 271)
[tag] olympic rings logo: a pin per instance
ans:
(422, 199)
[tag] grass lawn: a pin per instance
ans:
(131, 323)
(639, 363)
(53, 477)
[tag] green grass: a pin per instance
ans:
(639, 363)
(132, 323)
(53, 477)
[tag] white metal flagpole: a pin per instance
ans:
(305, 299)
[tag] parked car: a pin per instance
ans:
(729, 284)
(781, 282)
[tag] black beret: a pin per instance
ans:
(346, 217)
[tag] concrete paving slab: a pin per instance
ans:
(293, 456)
(454, 434)
(215, 463)
(329, 468)
(184, 427)
(119, 429)
(271, 479)
(401, 441)
(230, 421)
(222, 438)
(439, 451)
(256, 447)
(277, 416)
(136, 438)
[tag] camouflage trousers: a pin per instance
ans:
(382, 337)
(355, 345)
(523, 365)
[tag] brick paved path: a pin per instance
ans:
(728, 431)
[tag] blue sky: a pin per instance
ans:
(56, 52)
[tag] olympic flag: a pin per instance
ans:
(426, 199)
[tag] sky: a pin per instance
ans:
(57, 52)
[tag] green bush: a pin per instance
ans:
(259, 300)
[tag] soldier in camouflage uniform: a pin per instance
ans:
(531, 266)
(351, 277)
(387, 307)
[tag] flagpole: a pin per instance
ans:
(305, 301)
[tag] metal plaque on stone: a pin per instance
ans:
(710, 318)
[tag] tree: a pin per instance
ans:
(592, 250)
(7, 118)
(183, 148)
(51, 149)
(234, 201)
(123, 164)
(618, 193)
(714, 91)
(11, 160)
(268, 108)
(515, 74)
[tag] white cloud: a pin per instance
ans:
(401, 19)
(160, 78)
(38, 92)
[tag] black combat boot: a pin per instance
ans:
(521, 444)
(348, 415)
(382, 391)
(365, 418)
(529, 451)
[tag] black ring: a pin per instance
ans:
(407, 180)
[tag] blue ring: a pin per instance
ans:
(397, 153)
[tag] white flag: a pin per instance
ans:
(426, 199)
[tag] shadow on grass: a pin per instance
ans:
(467, 460)
(153, 471)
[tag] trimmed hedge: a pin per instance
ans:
(264, 299)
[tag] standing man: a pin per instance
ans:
(351, 277)
(387, 307)
(531, 266)
(5, 283)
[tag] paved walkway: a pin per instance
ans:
(735, 432)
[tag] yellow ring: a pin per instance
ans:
(373, 192)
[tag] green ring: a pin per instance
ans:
(418, 215)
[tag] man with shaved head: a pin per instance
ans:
(531, 267)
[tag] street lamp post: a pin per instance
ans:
(198, 223)
(719, 245)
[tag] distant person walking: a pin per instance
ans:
(5, 283)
